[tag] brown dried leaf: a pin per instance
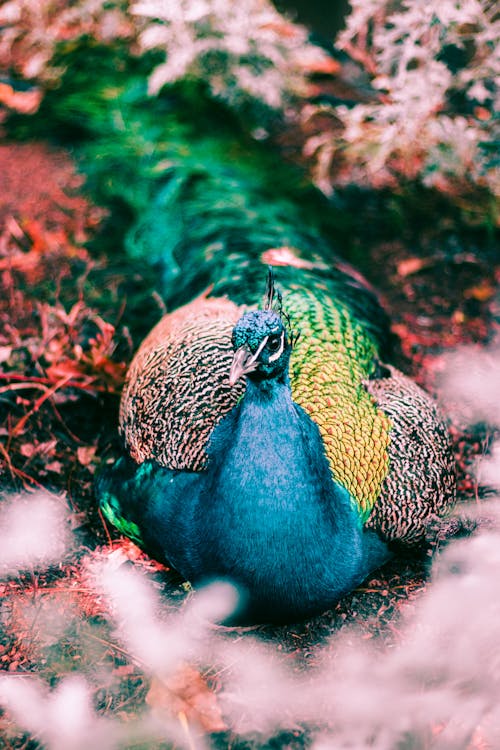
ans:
(411, 265)
(124, 670)
(482, 291)
(186, 693)
(479, 741)
(315, 61)
(27, 450)
(282, 28)
(26, 102)
(85, 454)
(5, 352)
(45, 448)
(77, 520)
(67, 368)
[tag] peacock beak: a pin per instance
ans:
(243, 362)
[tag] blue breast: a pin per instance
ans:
(265, 514)
(268, 515)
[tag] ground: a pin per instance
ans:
(69, 323)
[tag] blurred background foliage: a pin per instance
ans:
(395, 118)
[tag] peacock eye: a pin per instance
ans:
(273, 343)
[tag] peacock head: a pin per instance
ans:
(262, 347)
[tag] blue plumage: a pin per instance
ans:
(265, 513)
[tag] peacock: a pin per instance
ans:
(267, 438)
(293, 484)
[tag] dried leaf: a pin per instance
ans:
(482, 291)
(5, 352)
(313, 60)
(85, 454)
(27, 450)
(62, 368)
(77, 520)
(482, 113)
(411, 265)
(124, 670)
(26, 102)
(282, 27)
(46, 448)
(479, 741)
(187, 693)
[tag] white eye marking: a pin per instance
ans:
(255, 356)
(279, 352)
(260, 348)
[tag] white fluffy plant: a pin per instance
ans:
(414, 131)
(245, 50)
(30, 31)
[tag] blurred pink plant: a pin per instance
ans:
(31, 30)
(34, 531)
(243, 51)
(411, 132)
(434, 688)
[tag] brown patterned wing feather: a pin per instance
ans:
(421, 482)
(177, 386)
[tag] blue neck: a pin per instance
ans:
(268, 452)
(273, 394)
